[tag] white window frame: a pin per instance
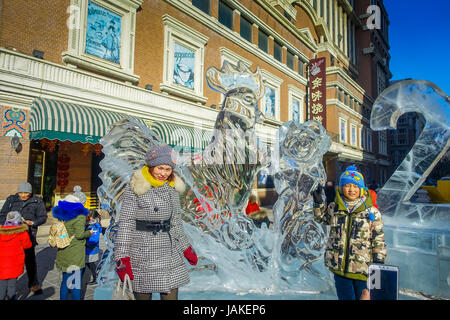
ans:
(343, 121)
(360, 137)
(353, 127)
(295, 93)
(76, 55)
(233, 58)
(175, 31)
(273, 82)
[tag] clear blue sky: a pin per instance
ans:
(419, 36)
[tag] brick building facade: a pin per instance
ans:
(112, 58)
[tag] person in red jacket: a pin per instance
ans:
(374, 198)
(14, 239)
(252, 206)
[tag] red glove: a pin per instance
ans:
(123, 268)
(190, 255)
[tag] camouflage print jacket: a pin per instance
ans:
(354, 241)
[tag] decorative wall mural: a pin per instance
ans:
(103, 33)
(13, 122)
(183, 66)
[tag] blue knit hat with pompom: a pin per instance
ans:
(352, 175)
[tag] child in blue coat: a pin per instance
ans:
(93, 243)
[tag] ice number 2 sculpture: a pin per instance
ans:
(427, 99)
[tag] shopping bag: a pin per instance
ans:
(123, 290)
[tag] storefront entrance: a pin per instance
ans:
(55, 167)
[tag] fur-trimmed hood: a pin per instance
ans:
(139, 185)
(69, 210)
(13, 229)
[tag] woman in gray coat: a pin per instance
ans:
(150, 241)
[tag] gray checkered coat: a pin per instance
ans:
(157, 260)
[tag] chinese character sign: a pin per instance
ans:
(317, 89)
(103, 33)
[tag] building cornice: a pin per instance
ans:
(26, 77)
(286, 6)
(331, 84)
(346, 152)
(342, 106)
(339, 71)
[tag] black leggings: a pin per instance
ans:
(30, 265)
(92, 266)
(172, 295)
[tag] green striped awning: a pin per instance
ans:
(181, 137)
(54, 119)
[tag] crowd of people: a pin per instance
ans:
(20, 216)
(150, 243)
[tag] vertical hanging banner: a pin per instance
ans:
(318, 90)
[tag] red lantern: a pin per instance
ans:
(63, 166)
(85, 148)
(44, 143)
(51, 145)
(98, 149)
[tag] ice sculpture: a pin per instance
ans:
(299, 170)
(222, 176)
(233, 252)
(426, 98)
(416, 233)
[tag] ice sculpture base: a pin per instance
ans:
(423, 257)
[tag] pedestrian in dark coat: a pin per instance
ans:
(150, 241)
(71, 259)
(32, 209)
(14, 239)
